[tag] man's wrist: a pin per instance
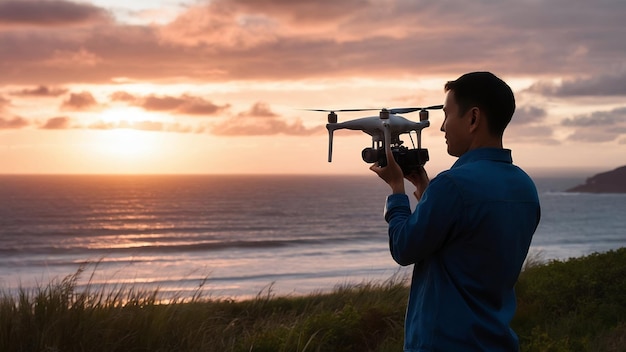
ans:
(397, 188)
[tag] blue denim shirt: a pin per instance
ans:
(467, 238)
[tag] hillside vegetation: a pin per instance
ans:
(573, 305)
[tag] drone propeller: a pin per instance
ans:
(408, 110)
(340, 110)
(332, 114)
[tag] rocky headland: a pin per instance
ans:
(606, 182)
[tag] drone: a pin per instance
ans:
(385, 130)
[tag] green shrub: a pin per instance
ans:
(572, 305)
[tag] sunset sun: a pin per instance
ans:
(127, 132)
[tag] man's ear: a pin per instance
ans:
(475, 119)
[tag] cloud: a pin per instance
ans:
(600, 126)
(597, 85)
(80, 101)
(165, 103)
(537, 134)
(3, 102)
(259, 110)
(76, 57)
(41, 91)
(259, 120)
(528, 126)
(14, 123)
(49, 13)
(528, 114)
(592, 136)
(151, 126)
(286, 40)
(142, 125)
(199, 106)
(57, 123)
(185, 104)
(598, 118)
(244, 23)
(314, 12)
(122, 96)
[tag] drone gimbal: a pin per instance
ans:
(385, 130)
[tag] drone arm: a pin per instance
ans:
(330, 145)
(387, 135)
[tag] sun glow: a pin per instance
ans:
(128, 142)
(127, 132)
(124, 115)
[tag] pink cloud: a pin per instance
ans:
(271, 127)
(80, 101)
(275, 40)
(150, 126)
(57, 123)
(78, 57)
(3, 102)
(41, 91)
(142, 125)
(184, 104)
(122, 96)
(14, 123)
(49, 13)
(259, 110)
(261, 121)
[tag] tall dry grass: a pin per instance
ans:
(573, 305)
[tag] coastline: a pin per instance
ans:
(613, 181)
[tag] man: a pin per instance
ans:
(471, 230)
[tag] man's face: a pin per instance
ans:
(455, 126)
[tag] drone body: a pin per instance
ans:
(385, 130)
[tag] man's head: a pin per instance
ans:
(478, 108)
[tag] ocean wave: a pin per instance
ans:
(164, 247)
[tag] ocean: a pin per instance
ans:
(236, 237)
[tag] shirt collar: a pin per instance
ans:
(493, 154)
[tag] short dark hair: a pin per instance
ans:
(487, 92)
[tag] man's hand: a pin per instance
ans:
(392, 173)
(420, 180)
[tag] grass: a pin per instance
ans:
(573, 305)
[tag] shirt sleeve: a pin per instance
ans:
(416, 236)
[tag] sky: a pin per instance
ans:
(222, 86)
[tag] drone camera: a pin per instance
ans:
(409, 160)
